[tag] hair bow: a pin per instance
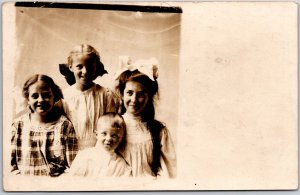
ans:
(148, 67)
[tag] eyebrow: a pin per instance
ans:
(137, 91)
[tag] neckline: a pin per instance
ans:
(132, 117)
(85, 91)
(103, 152)
(135, 124)
(42, 125)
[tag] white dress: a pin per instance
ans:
(139, 148)
(97, 163)
(84, 109)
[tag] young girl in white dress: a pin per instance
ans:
(85, 101)
(43, 140)
(149, 149)
(103, 160)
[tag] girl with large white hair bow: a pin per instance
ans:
(149, 148)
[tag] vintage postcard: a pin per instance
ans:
(150, 96)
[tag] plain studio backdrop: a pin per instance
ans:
(228, 83)
(45, 36)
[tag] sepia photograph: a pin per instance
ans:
(93, 89)
(150, 96)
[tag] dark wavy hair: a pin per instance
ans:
(86, 50)
(148, 114)
(45, 79)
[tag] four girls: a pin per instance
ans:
(45, 142)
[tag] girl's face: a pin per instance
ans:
(135, 98)
(84, 69)
(41, 98)
(109, 137)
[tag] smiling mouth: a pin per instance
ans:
(42, 107)
(85, 79)
(108, 145)
(134, 107)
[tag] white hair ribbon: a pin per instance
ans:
(148, 67)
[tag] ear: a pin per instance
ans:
(70, 68)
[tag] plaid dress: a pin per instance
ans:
(45, 150)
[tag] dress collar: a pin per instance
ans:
(103, 153)
(85, 91)
(132, 117)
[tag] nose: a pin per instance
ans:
(83, 70)
(133, 98)
(40, 98)
(108, 138)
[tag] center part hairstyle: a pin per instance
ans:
(148, 114)
(57, 93)
(83, 49)
(46, 80)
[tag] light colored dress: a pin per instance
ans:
(42, 150)
(97, 163)
(139, 148)
(84, 109)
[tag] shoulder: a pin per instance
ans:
(64, 119)
(123, 166)
(64, 122)
(119, 157)
(105, 93)
(158, 126)
(87, 153)
(121, 161)
(98, 88)
(159, 123)
(21, 119)
(102, 89)
(18, 124)
(162, 129)
(70, 92)
(80, 160)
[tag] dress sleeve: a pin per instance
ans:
(112, 101)
(127, 171)
(79, 165)
(168, 155)
(13, 162)
(62, 105)
(71, 142)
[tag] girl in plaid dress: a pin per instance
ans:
(85, 101)
(43, 140)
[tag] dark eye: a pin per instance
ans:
(90, 65)
(114, 136)
(35, 96)
(130, 93)
(46, 95)
(141, 94)
(103, 133)
(79, 66)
